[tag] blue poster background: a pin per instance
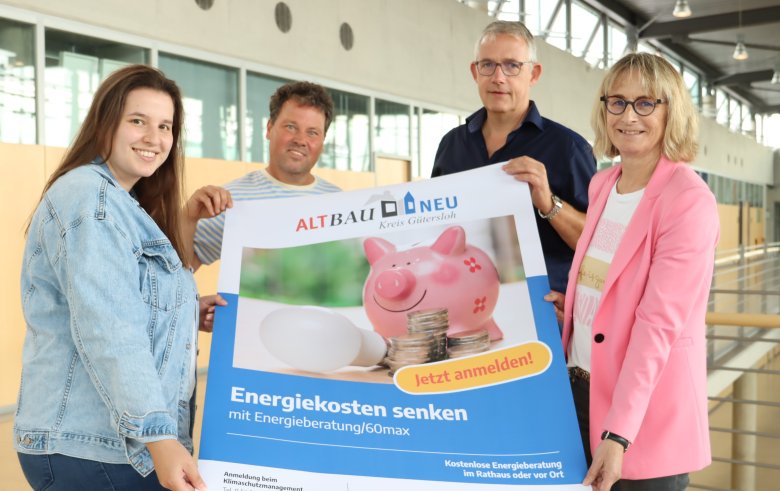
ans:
(521, 432)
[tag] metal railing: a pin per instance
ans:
(744, 413)
(744, 372)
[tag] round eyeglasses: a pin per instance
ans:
(486, 68)
(644, 106)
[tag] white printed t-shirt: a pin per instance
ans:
(593, 271)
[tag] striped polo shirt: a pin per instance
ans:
(255, 185)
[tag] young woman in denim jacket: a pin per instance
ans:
(111, 311)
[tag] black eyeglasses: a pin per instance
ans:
(487, 68)
(644, 106)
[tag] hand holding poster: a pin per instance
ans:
(386, 338)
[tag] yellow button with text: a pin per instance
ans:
(482, 370)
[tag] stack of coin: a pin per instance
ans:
(466, 343)
(434, 322)
(410, 349)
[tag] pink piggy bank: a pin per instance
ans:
(450, 274)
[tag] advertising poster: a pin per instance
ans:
(393, 338)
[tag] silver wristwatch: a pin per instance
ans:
(557, 206)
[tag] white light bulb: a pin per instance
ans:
(317, 339)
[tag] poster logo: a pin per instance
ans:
(410, 206)
(436, 209)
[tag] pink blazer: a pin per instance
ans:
(648, 360)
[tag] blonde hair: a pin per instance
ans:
(660, 80)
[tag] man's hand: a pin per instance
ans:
(175, 467)
(557, 299)
(569, 222)
(534, 173)
(207, 307)
(606, 467)
(207, 202)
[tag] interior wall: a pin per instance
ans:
(733, 155)
(426, 62)
(24, 173)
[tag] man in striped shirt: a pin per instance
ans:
(301, 113)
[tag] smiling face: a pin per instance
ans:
(636, 137)
(295, 142)
(143, 138)
(501, 94)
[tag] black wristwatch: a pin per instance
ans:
(616, 438)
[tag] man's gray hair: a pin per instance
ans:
(516, 29)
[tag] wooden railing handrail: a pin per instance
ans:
(767, 321)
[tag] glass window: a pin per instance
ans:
(75, 66)
(644, 47)
(509, 10)
(434, 125)
(756, 195)
(210, 94)
(531, 16)
(391, 128)
(714, 182)
(583, 23)
(259, 89)
(735, 117)
(17, 82)
(546, 9)
(346, 145)
(537, 16)
(771, 130)
(595, 51)
(674, 62)
(746, 125)
(692, 82)
(557, 33)
(722, 106)
(416, 167)
(618, 41)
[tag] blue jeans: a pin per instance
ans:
(57, 472)
(580, 390)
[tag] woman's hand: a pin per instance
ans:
(557, 299)
(606, 467)
(207, 202)
(175, 467)
(207, 307)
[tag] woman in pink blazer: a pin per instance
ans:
(634, 330)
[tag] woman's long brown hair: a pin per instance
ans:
(159, 194)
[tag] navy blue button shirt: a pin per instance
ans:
(567, 156)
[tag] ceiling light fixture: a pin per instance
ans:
(740, 51)
(682, 9)
(776, 77)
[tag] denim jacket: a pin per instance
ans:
(110, 314)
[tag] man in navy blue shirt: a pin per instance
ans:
(556, 162)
